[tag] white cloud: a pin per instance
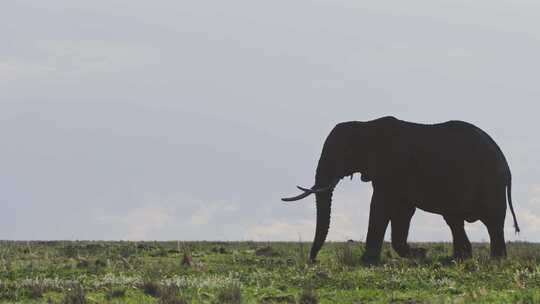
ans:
(206, 212)
(534, 194)
(532, 221)
(343, 226)
(13, 68)
(529, 218)
(52, 61)
(281, 230)
(203, 215)
(142, 223)
(168, 217)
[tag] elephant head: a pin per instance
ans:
(351, 147)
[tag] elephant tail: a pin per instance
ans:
(509, 194)
(508, 175)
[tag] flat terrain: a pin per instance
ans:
(250, 272)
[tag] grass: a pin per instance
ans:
(308, 296)
(230, 294)
(74, 295)
(346, 255)
(250, 272)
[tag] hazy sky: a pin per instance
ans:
(190, 119)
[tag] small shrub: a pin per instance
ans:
(470, 265)
(345, 256)
(170, 295)
(308, 296)
(100, 263)
(266, 251)
(69, 251)
(150, 288)
(160, 252)
(387, 254)
(288, 299)
(230, 294)
(155, 270)
(126, 251)
(115, 293)
(187, 260)
(220, 250)
(75, 295)
(36, 290)
(301, 253)
(83, 263)
(525, 297)
(8, 293)
(173, 251)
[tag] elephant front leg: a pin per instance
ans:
(378, 221)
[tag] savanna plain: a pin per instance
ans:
(253, 272)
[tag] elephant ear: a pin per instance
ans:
(391, 155)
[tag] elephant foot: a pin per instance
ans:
(447, 261)
(370, 259)
(461, 256)
(457, 257)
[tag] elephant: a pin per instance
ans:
(453, 168)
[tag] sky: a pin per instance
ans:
(189, 120)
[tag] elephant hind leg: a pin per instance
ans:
(462, 245)
(493, 219)
(400, 222)
(496, 236)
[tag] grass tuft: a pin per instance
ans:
(345, 256)
(308, 296)
(187, 260)
(150, 288)
(37, 290)
(301, 255)
(75, 295)
(114, 293)
(170, 295)
(230, 294)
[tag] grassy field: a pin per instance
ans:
(249, 272)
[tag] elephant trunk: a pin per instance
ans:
(324, 203)
(325, 176)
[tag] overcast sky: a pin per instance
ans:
(190, 119)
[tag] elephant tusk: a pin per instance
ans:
(308, 192)
(295, 198)
(318, 190)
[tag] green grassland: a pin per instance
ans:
(250, 272)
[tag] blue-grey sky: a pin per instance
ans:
(190, 119)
